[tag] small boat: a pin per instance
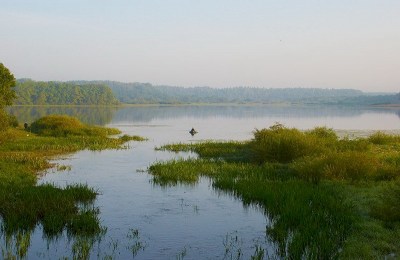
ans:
(193, 132)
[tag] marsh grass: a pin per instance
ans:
(326, 197)
(228, 151)
(25, 154)
(62, 126)
(381, 138)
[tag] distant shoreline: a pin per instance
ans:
(278, 104)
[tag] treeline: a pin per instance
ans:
(142, 93)
(372, 100)
(31, 92)
(111, 92)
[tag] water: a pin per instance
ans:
(190, 221)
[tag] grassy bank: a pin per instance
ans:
(25, 153)
(326, 197)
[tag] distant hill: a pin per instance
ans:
(31, 92)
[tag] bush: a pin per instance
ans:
(7, 120)
(280, 144)
(381, 138)
(61, 126)
(350, 165)
(323, 132)
(12, 121)
(3, 120)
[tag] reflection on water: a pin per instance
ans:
(148, 114)
(88, 115)
(146, 221)
(338, 117)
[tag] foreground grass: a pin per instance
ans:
(326, 197)
(24, 154)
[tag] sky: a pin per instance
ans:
(216, 43)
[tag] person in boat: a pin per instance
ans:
(193, 132)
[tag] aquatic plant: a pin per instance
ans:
(281, 144)
(136, 243)
(229, 151)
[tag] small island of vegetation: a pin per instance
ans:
(326, 197)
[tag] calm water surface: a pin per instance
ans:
(193, 222)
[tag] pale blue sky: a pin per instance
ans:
(217, 43)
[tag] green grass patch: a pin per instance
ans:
(229, 151)
(326, 197)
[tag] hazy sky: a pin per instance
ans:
(217, 43)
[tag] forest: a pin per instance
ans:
(146, 93)
(31, 92)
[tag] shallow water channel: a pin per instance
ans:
(146, 221)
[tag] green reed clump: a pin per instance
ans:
(281, 144)
(188, 171)
(179, 171)
(349, 165)
(86, 222)
(126, 138)
(62, 125)
(229, 151)
(381, 138)
(23, 207)
(324, 133)
(345, 144)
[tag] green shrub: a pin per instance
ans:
(12, 121)
(360, 145)
(3, 120)
(349, 165)
(280, 144)
(62, 126)
(310, 169)
(57, 125)
(323, 132)
(381, 138)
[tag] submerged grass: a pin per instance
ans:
(326, 197)
(24, 154)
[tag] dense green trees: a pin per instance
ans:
(7, 84)
(145, 93)
(7, 95)
(111, 92)
(31, 92)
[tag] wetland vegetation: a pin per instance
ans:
(326, 197)
(24, 154)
